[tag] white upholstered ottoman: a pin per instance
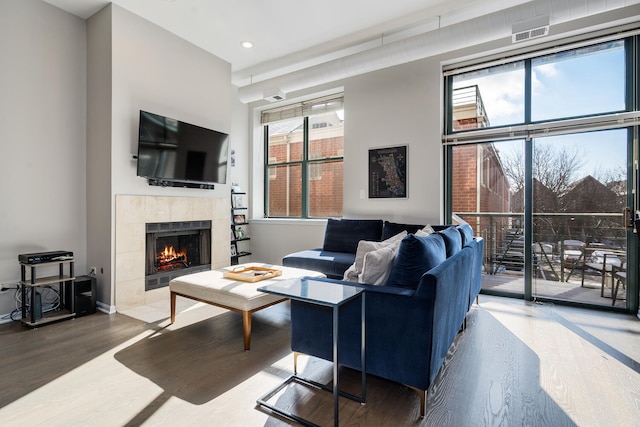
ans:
(244, 297)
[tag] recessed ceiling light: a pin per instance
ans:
(247, 44)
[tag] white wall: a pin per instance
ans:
(153, 70)
(42, 136)
(395, 106)
(239, 142)
(271, 240)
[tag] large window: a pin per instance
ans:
(572, 83)
(304, 144)
(487, 97)
(540, 161)
(578, 82)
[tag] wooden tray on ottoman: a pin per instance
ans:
(252, 274)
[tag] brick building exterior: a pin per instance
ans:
(325, 172)
(478, 180)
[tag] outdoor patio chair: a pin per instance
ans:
(604, 261)
(571, 251)
(620, 277)
(543, 257)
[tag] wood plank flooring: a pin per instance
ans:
(516, 364)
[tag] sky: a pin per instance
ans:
(563, 85)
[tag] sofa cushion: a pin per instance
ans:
(392, 228)
(364, 247)
(425, 231)
(376, 266)
(415, 256)
(452, 240)
(343, 235)
(466, 232)
(332, 264)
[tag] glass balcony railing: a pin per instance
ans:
(566, 250)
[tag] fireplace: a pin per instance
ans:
(174, 249)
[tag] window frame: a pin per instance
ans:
(306, 163)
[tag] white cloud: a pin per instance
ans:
(542, 71)
(547, 70)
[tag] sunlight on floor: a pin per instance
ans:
(158, 311)
(142, 401)
(553, 334)
(50, 403)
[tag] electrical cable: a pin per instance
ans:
(50, 301)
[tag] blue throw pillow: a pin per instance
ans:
(415, 256)
(343, 235)
(452, 240)
(466, 232)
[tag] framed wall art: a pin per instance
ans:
(388, 172)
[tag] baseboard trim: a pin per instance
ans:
(105, 308)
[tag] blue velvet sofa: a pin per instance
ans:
(412, 320)
(341, 239)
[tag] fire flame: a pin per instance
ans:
(169, 256)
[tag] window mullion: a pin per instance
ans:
(527, 91)
(632, 48)
(265, 183)
(448, 116)
(305, 168)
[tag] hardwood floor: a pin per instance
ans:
(516, 364)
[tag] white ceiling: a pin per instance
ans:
(289, 35)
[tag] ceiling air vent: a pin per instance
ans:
(531, 29)
(275, 95)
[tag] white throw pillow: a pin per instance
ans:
(428, 229)
(364, 247)
(351, 275)
(376, 266)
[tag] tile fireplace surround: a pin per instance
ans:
(133, 212)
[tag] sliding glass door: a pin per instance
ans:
(541, 159)
(555, 221)
(483, 195)
(579, 217)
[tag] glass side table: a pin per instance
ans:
(332, 295)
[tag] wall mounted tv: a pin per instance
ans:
(177, 154)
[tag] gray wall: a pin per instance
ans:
(72, 90)
(99, 65)
(42, 136)
(153, 70)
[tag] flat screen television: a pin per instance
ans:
(175, 153)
